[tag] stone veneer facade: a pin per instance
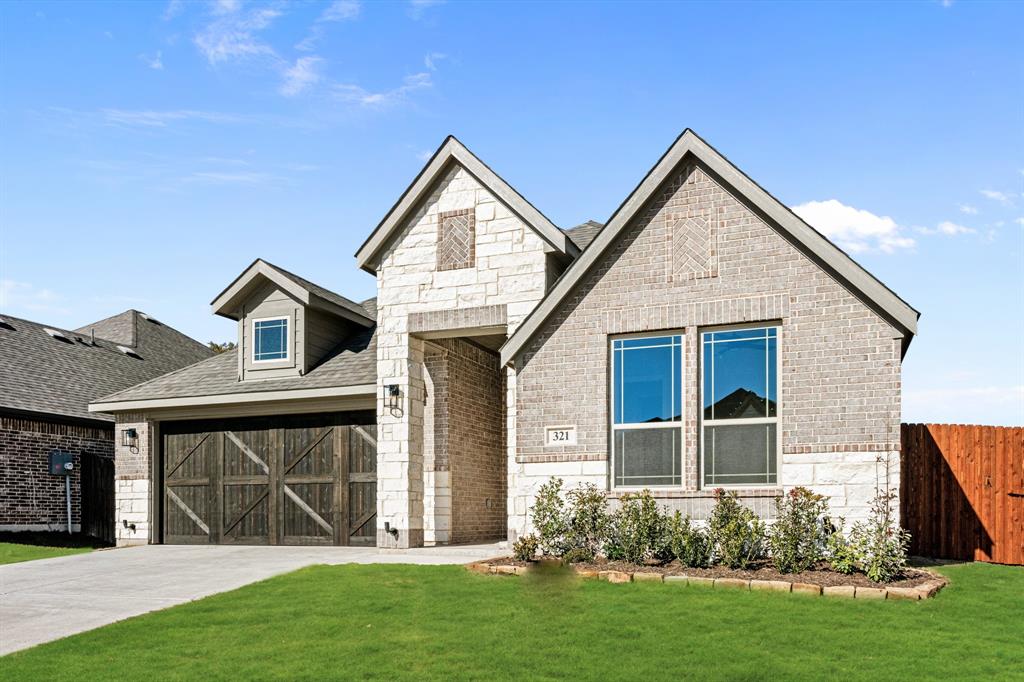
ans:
(839, 385)
(509, 269)
(132, 471)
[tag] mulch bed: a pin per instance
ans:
(762, 570)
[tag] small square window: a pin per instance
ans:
(270, 339)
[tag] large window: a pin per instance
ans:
(270, 339)
(647, 407)
(741, 411)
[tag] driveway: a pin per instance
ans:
(48, 599)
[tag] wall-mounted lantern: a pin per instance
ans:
(392, 396)
(129, 438)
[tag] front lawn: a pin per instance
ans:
(30, 545)
(416, 622)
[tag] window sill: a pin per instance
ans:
(676, 494)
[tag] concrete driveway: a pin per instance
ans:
(48, 599)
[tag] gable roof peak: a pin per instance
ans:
(816, 246)
(452, 150)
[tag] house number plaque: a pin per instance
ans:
(560, 435)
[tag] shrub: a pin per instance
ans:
(637, 529)
(880, 545)
(525, 548)
(842, 556)
(578, 555)
(549, 518)
(688, 543)
(587, 521)
(736, 533)
(797, 538)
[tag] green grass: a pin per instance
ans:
(409, 622)
(13, 552)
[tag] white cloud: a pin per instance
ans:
(216, 178)
(234, 35)
(853, 229)
(173, 9)
(994, 195)
(156, 62)
(341, 10)
(355, 93)
(967, 209)
(300, 76)
(160, 119)
(418, 7)
(226, 6)
(947, 228)
(1019, 221)
(996, 405)
(432, 58)
(22, 296)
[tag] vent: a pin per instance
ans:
(59, 335)
(129, 351)
(150, 318)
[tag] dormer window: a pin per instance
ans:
(270, 339)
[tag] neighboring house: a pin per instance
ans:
(704, 337)
(48, 376)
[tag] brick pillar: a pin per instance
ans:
(400, 440)
(132, 480)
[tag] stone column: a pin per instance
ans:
(400, 440)
(132, 502)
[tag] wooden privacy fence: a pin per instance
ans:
(98, 497)
(962, 491)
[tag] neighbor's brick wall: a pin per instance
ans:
(30, 497)
(132, 481)
(508, 271)
(840, 377)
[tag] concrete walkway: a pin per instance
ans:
(48, 599)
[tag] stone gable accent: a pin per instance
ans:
(456, 240)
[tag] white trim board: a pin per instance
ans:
(236, 398)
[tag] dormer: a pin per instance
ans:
(286, 324)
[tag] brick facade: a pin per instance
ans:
(30, 498)
(839, 386)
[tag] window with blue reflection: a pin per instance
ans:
(270, 339)
(647, 406)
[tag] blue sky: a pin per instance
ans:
(150, 151)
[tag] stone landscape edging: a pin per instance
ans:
(925, 590)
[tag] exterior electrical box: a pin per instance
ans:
(61, 463)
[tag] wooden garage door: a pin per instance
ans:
(297, 480)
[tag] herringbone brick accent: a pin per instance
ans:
(456, 240)
(693, 245)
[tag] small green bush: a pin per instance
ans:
(578, 555)
(880, 543)
(688, 543)
(525, 548)
(736, 532)
(637, 529)
(549, 518)
(587, 521)
(797, 539)
(842, 556)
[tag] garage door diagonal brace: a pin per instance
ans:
(366, 436)
(191, 514)
(309, 510)
(187, 455)
(248, 453)
(306, 450)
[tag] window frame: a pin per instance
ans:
(752, 421)
(683, 411)
(288, 339)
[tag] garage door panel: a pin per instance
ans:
(246, 513)
(307, 479)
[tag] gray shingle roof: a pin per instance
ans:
(326, 294)
(583, 234)
(351, 363)
(40, 373)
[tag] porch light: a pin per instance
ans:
(129, 438)
(392, 394)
